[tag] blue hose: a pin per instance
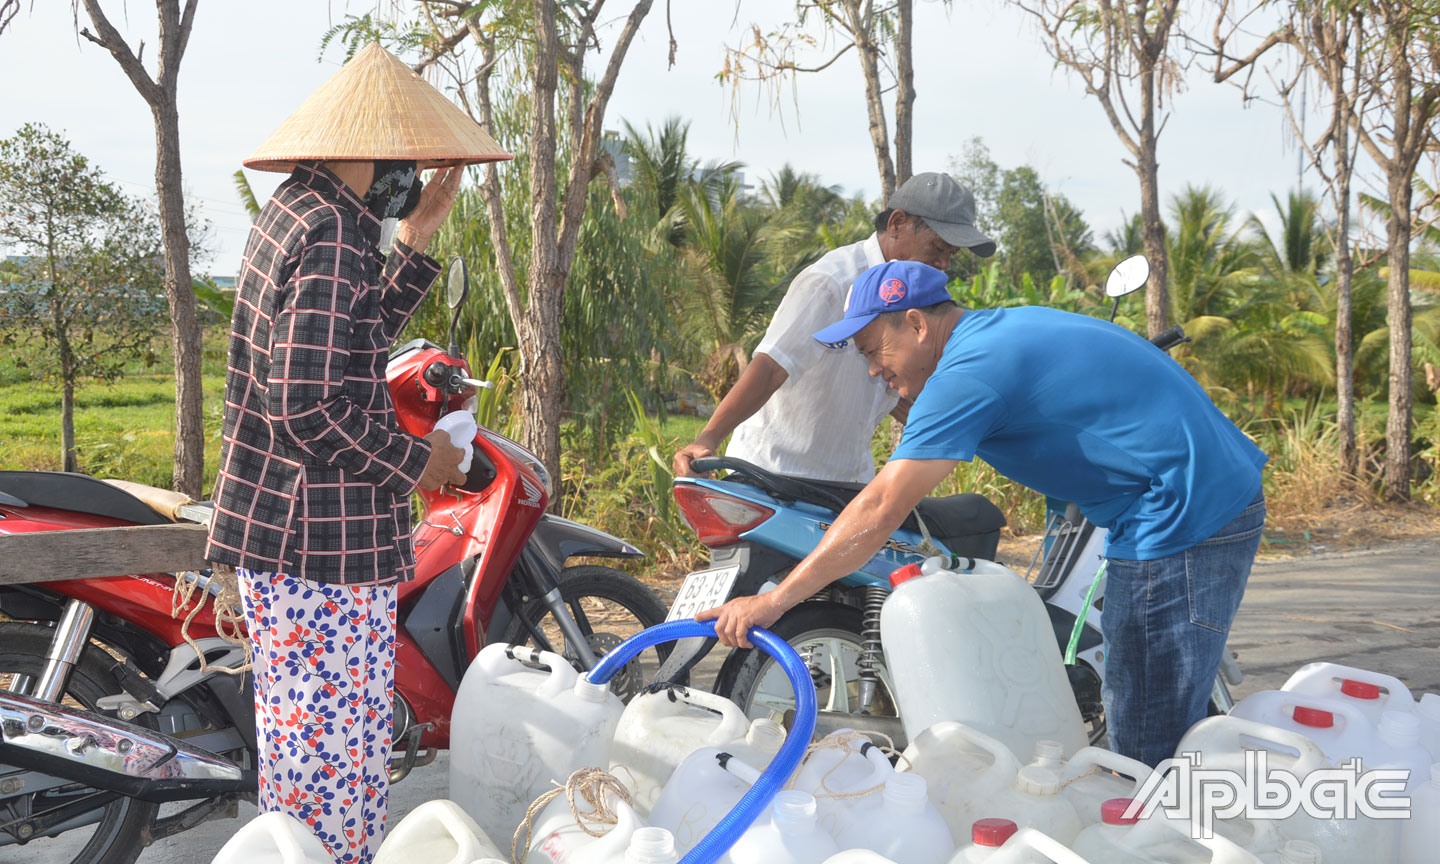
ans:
(715, 844)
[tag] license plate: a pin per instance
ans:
(703, 589)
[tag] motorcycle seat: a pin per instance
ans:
(968, 524)
(78, 493)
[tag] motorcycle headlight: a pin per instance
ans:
(525, 457)
(539, 468)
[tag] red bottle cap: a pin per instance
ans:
(992, 832)
(1314, 717)
(1112, 812)
(1359, 689)
(904, 574)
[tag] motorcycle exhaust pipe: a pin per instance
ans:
(111, 755)
(827, 722)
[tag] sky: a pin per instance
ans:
(980, 70)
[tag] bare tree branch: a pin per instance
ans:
(111, 40)
(8, 10)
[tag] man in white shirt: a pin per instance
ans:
(825, 405)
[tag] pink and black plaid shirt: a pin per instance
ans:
(315, 474)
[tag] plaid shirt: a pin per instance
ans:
(315, 475)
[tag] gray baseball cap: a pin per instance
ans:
(947, 207)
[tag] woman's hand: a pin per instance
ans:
(436, 200)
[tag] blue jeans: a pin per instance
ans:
(1165, 623)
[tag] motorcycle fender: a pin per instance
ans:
(558, 540)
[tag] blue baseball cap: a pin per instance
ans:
(888, 287)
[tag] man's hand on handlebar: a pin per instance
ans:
(687, 454)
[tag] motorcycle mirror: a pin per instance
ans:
(1128, 276)
(457, 283)
(457, 288)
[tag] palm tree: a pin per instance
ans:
(732, 280)
(1247, 330)
(661, 168)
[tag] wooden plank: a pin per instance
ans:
(45, 556)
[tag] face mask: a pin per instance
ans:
(396, 189)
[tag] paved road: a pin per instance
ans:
(1379, 611)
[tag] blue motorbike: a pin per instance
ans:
(758, 525)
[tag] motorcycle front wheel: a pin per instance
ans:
(116, 824)
(609, 606)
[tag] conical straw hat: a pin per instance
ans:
(375, 107)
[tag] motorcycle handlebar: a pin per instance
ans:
(1170, 338)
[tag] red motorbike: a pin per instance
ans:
(107, 712)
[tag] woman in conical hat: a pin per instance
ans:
(312, 500)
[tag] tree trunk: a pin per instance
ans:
(1397, 426)
(904, 93)
(68, 461)
(185, 337)
(1157, 299)
(542, 379)
(869, 51)
(1344, 350)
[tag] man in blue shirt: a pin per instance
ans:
(1080, 410)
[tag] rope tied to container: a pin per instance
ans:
(596, 786)
(852, 742)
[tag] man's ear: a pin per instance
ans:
(897, 220)
(917, 321)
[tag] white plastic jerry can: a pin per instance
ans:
(1341, 729)
(1370, 692)
(274, 838)
(559, 839)
(658, 730)
(1028, 846)
(978, 648)
(523, 718)
(904, 826)
(436, 832)
(788, 834)
(1087, 780)
(706, 786)
(1223, 742)
(1428, 710)
(964, 770)
(1034, 801)
(839, 778)
(1420, 834)
(986, 838)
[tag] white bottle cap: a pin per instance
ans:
(1038, 780)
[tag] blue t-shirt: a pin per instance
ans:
(1084, 410)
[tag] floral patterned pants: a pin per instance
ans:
(324, 667)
